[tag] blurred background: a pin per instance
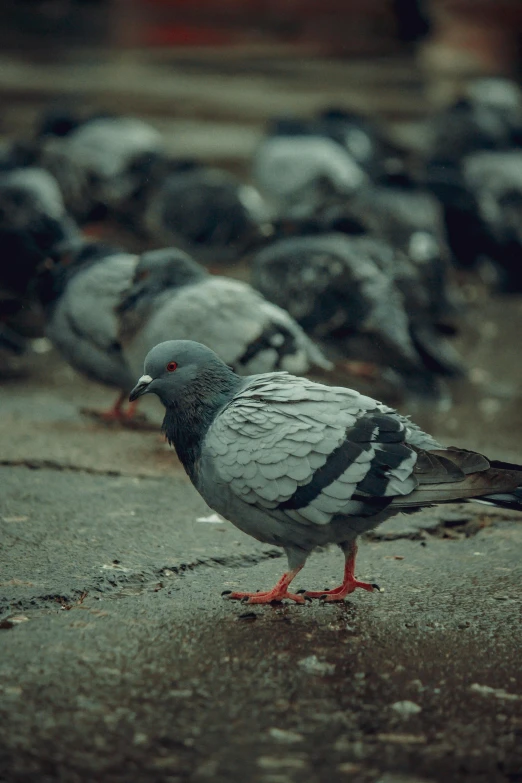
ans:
(420, 99)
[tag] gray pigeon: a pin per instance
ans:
(172, 295)
(352, 291)
(297, 169)
(207, 212)
(33, 224)
(300, 465)
(101, 163)
(107, 309)
(495, 179)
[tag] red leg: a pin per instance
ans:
(350, 583)
(365, 370)
(117, 413)
(277, 593)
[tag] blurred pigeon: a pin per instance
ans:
(173, 295)
(80, 301)
(106, 309)
(297, 168)
(300, 465)
(207, 212)
(33, 224)
(101, 164)
(495, 179)
(350, 292)
(488, 116)
(361, 137)
(410, 219)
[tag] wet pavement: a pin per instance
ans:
(120, 660)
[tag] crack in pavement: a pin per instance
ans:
(125, 579)
(450, 523)
(49, 464)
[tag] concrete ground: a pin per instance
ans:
(120, 660)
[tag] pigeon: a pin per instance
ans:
(359, 295)
(361, 137)
(410, 220)
(488, 116)
(174, 295)
(33, 225)
(495, 179)
(106, 309)
(79, 300)
(298, 168)
(101, 164)
(299, 465)
(205, 211)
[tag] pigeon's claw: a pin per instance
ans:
(340, 593)
(277, 593)
(118, 413)
(267, 597)
(350, 583)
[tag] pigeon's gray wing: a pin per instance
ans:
(287, 168)
(84, 325)
(332, 285)
(94, 163)
(232, 319)
(495, 178)
(92, 296)
(108, 147)
(313, 452)
(44, 189)
(73, 180)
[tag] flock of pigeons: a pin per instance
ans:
(351, 242)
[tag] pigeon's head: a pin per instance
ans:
(182, 370)
(159, 270)
(169, 266)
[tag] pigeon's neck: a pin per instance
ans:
(189, 416)
(142, 298)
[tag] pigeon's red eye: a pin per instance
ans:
(171, 366)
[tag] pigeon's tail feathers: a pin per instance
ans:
(496, 483)
(510, 500)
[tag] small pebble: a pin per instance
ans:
(349, 767)
(499, 693)
(406, 708)
(313, 665)
(288, 762)
(402, 739)
(285, 736)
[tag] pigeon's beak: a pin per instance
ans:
(141, 387)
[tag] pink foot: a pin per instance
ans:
(340, 593)
(267, 597)
(350, 583)
(119, 414)
(278, 593)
